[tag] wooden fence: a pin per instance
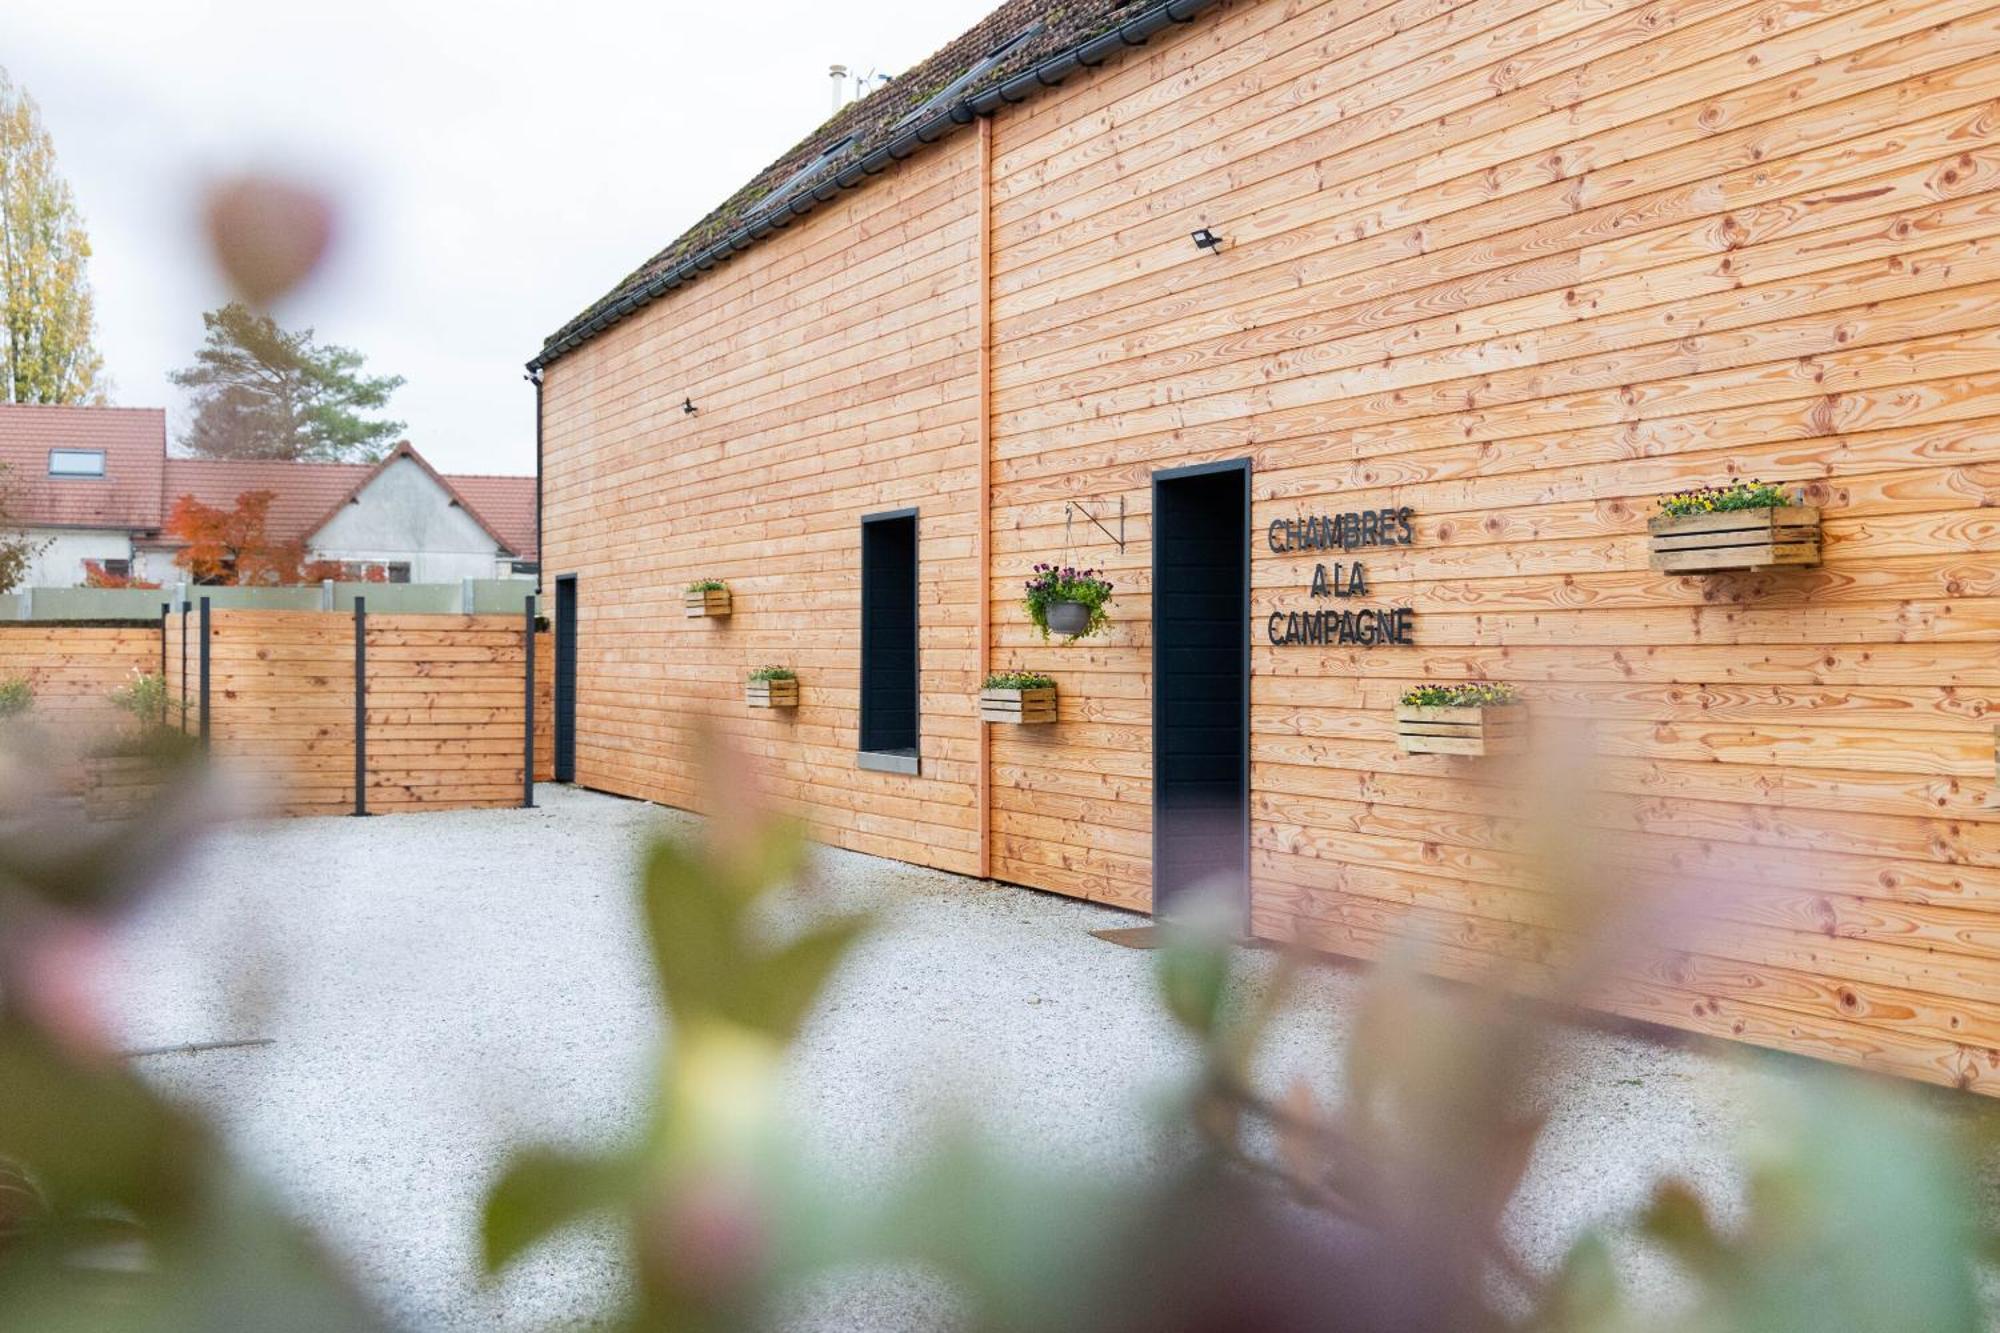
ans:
(442, 716)
(73, 669)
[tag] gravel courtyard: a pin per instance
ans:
(434, 988)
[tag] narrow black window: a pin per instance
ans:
(889, 641)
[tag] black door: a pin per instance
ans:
(566, 678)
(1201, 683)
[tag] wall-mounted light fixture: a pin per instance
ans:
(687, 407)
(1207, 240)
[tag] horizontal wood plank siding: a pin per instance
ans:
(834, 375)
(1520, 266)
(1523, 268)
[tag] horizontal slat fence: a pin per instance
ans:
(545, 707)
(444, 707)
(73, 670)
(446, 712)
(280, 702)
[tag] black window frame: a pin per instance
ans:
(869, 752)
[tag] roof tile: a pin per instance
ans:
(134, 441)
(877, 118)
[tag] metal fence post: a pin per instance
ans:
(528, 727)
(360, 705)
(166, 609)
(185, 607)
(204, 675)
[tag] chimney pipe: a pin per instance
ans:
(838, 74)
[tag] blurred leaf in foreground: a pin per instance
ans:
(118, 1211)
(704, 1195)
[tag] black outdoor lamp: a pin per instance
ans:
(687, 407)
(1207, 240)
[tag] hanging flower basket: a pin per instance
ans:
(772, 687)
(1067, 601)
(1018, 698)
(707, 597)
(1070, 619)
(1475, 719)
(1719, 529)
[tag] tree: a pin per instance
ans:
(95, 575)
(17, 549)
(48, 355)
(232, 546)
(263, 392)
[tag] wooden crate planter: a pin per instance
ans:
(711, 602)
(1484, 729)
(1739, 539)
(771, 693)
(1024, 708)
(121, 786)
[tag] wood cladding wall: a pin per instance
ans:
(833, 375)
(1520, 267)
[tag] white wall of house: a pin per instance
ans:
(156, 566)
(404, 515)
(60, 562)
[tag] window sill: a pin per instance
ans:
(887, 761)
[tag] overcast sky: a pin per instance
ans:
(500, 164)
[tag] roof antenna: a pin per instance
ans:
(838, 74)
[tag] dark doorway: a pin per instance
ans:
(1201, 683)
(566, 678)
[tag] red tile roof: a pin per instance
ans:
(508, 506)
(305, 492)
(134, 441)
(1008, 47)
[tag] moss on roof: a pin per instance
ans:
(875, 120)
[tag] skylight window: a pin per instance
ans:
(76, 462)
(803, 175)
(956, 88)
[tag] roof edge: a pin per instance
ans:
(1088, 54)
(404, 449)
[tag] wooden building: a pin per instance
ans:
(1505, 271)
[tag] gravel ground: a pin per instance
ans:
(438, 987)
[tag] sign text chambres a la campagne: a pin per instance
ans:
(1326, 627)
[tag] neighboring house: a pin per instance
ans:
(97, 485)
(83, 480)
(1357, 342)
(399, 519)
